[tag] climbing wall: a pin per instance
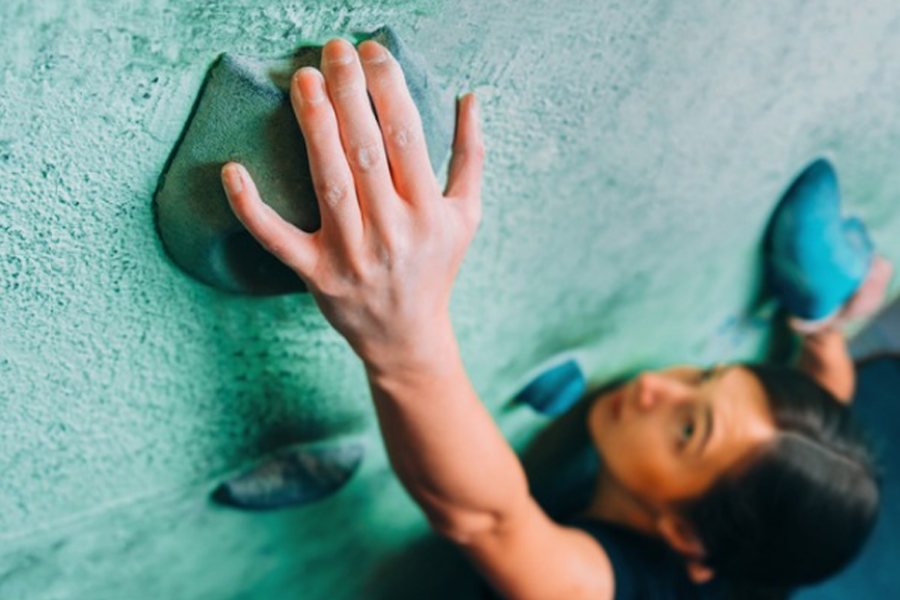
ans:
(634, 153)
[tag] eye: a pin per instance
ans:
(687, 431)
(706, 374)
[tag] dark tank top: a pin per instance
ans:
(644, 568)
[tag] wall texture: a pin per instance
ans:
(635, 151)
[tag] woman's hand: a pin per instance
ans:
(383, 263)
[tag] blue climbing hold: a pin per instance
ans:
(815, 259)
(556, 390)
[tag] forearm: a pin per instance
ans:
(443, 443)
(824, 357)
(382, 266)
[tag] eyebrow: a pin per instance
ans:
(707, 429)
(708, 421)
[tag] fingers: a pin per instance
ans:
(290, 245)
(401, 124)
(332, 178)
(464, 179)
(359, 131)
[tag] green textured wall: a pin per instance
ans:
(635, 150)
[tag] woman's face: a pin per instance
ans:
(667, 436)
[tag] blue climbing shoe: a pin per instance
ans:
(816, 259)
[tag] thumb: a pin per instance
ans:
(289, 244)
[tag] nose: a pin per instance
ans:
(655, 389)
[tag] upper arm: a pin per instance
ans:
(530, 557)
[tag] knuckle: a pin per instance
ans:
(332, 288)
(470, 150)
(344, 84)
(404, 133)
(475, 151)
(393, 244)
(391, 254)
(365, 154)
(385, 72)
(333, 191)
(336, 280)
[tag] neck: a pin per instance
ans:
(612, 503)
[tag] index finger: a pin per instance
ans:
(401, 124)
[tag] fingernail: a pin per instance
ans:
(311, 85)
(234, 181)
(372, 53)
(467, 104)
(339, 52)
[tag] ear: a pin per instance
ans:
(698, 572)
(682, 538)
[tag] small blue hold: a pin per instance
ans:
(816, 259)
(556, 390)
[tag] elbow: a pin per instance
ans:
(843, 387)
(463, 528)
(471, 527)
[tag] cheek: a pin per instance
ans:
(638, 457)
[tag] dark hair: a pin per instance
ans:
(799, 508)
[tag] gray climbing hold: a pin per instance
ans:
(243, 113)
(292, 477)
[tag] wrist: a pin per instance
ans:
(428, 351)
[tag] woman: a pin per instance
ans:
(381, 269)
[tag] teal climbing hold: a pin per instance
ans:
(815, 258)
(555, 390)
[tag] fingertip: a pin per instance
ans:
(337, 51)
(467, 102)
(468, 116)
(307, 87)
(475, 113)
(232, 166)
(371, 52)
(295, 81)
(233, 178)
